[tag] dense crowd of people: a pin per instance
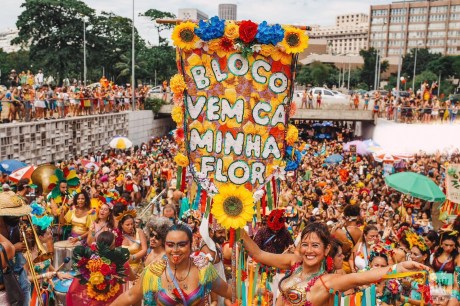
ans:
(30, 98)
(422, 106)
(336, 228)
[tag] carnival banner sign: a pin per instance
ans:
(234, 111)
(453, 183)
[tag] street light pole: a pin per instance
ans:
(376, 65)
(133, 85)
(84, 51)
(349, 68)
(415, 65)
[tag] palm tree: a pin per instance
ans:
(124, 66)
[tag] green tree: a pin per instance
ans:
(51, 27)
(125, 65)
(109, 42)
(368, 69)
(154, 14)
(424, 57)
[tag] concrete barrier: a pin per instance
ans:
(53, 140)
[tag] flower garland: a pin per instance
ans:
(101, 269)
(248, 37)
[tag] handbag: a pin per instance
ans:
(13, 289)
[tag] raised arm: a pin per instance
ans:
(281, 261)
(130, 297)
(222, 288)
(345, 282)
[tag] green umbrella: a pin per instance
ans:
(417, 185)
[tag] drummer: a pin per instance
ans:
(80, 216)
(44, 270)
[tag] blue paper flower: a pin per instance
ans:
(37, 209)
(212, 29)
(43, 222)
(269, 34)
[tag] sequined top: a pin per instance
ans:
(155, 295)
(294, 290)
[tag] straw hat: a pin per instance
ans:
(12, 205)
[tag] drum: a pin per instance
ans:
(63, 249)
(61, 287)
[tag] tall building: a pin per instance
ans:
(400, 26)
(192, 14)
(6, 36)
(227, 11)
(348, 36)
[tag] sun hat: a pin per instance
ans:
(12, 205)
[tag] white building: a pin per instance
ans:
(6, 36)
(227, 11)
(348, 36)
(192, 14)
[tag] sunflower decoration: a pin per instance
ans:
(233, 206)
(184, 36)
(295, 40)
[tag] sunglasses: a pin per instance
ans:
(153, 235)
(178, 245)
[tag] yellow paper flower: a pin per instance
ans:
(96, 278)
(181, 160)
(177, 115)
(292, 135)
(267, 50)
(177, 84)
(295, 40)
(184, 36)
(231, 30)
(233, 206)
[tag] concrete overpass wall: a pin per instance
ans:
(52, 140)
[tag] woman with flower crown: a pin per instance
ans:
(181, 277)
(308, 283)
(134, 240)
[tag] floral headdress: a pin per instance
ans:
(378, 250)
(129, 212)
(415, 240)
(38, 216)
(66, 175)
(101, 269)
(275, 220)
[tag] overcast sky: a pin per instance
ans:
(305, 12)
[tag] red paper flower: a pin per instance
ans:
(329, 264)
(101, 286)
(113, 268)
(93, 247)
(248, 31)
(244, 275)
(82, 262)
(226, 44)
(105, 269)
(275, 220)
